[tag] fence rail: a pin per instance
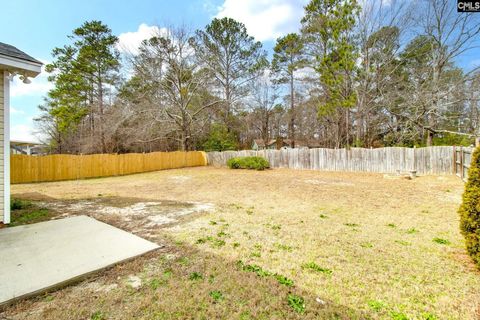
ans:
(462, 158)
(429, 160)
(71, 167)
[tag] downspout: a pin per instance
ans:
(6, 147)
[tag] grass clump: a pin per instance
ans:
(155, 283)
(98, 315)
(283, 247)
(26, 212)
(254, 163)
(376, 305)
(21, 217)
(470, 209)
(412, 231)
(284, 280)
(195, 276)
(352, 225)
(18, 204)
(398, 316)
(366, 245)
(216, 295)
(441, 241)
(264, 273)
(315, 267)
(297, 303)
(254, 268)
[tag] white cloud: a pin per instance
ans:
(22, 132)
(38, 87)
(128, 42)
(265, 19)
(16, 111)
(475, 63)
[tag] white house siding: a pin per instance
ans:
(2, 103)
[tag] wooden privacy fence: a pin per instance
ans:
(429, 160)
(462, 158)
(70, 167)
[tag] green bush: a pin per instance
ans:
(256, 163)
(470, 209)
(220, 139)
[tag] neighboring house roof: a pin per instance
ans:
(11, 51)
(17, 61)
(25, 143)
(259, 142)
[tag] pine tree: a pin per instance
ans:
(288, 57)
(82, 73)
(327, 29)
(233, 58)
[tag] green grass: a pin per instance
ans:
(216, 295)
(19, 204)
(98, 315)
(29, 216)
(297, 303)
(315, 267)
(27, 212)
(195, 276)
(441, 241)
(376, 305)
(284, 280)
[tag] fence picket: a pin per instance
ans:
(24, 168)
(429, 160)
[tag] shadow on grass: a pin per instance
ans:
(27, 212)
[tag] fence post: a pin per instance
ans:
(414, 167)
(462, 155)
(454, 160)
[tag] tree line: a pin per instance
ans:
(384, 74)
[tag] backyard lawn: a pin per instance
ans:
(275, 244)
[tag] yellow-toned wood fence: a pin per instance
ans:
(71, 167)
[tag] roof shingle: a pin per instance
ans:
(11, 51)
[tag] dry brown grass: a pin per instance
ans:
(375, 235)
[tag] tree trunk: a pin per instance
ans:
(292, 110)
(100, 107)
(347, 127)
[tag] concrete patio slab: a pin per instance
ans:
(38, 257)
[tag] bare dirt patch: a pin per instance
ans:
(133, 214)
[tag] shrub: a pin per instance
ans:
(470, 209)
(220, 139)
(256, 163)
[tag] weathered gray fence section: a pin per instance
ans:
(462, 159)
(430, 160)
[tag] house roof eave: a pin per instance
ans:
(15, 65)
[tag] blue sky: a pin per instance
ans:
(37, 26)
